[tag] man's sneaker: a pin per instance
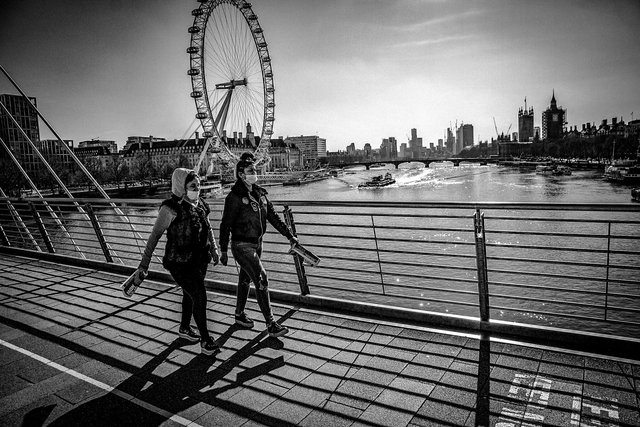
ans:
(209, 347)
(275, 330)
(189, 334)
(243, 320)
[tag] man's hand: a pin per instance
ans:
(224, 258)
(215, 256)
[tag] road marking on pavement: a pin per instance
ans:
(595, 413)
(106, 387)
(534, 392)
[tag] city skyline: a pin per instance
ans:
(349, 71)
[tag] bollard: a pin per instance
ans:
(302, 275)
(481, 262)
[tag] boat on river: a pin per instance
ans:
(624, 172)
(553, 169)
(378, 181)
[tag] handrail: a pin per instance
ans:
(454, 258)
(620, 207)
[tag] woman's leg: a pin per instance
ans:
(191, 280)
(244, 282)
(187, 310)
(248, 258)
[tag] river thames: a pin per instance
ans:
(467, 183)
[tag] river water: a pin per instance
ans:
(491, 183)
(462, 184)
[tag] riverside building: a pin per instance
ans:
(314, 148)
(27, 119)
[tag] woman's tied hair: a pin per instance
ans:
(246, 160)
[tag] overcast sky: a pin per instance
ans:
(346, 70)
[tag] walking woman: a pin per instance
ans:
(189, 249)
(245, 216)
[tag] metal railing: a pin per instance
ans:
(571, 266)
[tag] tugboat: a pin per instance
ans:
(378, 181)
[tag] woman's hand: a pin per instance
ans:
(142, 273)
(215, 255)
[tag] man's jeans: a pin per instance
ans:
(247, 255)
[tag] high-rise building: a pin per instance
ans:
(464, 137)
(451, 140)
(10, 132)
(389, 149)
(314, 148)
(553, 120)
(525, 123)
(415, 144)
(367, 150)
(402, 153)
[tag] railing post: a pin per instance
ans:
(297, 259)
(98, 231)
(43, 230)
(481, 262)
(4, 238)
(375, 238)
(606, 289)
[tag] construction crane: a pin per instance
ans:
(498, 133)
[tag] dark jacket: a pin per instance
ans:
(187, 236)
(245, 216)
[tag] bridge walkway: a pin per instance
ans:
(74, 351)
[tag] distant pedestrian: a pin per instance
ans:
(246, 212)
(189, 249)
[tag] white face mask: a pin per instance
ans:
(193, 195)
(251, 179)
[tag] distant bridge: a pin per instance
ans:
(397, 162)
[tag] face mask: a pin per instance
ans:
(251, 179)
(193, 195)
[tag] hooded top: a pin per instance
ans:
(178, 179)
(189, 233)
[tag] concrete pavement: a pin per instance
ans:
(74, 351)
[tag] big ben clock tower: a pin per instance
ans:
(553, 120)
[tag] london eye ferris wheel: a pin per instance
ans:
(231, 76)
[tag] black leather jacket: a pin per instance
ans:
(245, 216)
